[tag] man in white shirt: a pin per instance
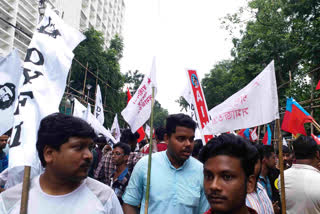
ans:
(302, 179)
(63, 147)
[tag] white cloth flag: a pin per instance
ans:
(254, 105)
(147, 131)
(96, 125)
(79, 110)
(284, 142)
(98, 108)
(45, 70)
(138, 109)
(115, 129)
(10, 76)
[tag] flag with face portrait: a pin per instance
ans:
(98, 108)
(45, 69)
(10, 76)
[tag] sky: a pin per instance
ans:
(181, 34)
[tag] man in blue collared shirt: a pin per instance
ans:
(176, 178)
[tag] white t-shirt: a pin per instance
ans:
(91, 197)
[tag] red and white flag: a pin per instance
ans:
(253, 135)
(199, 104)
(138, 109)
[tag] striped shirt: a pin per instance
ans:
(259, 201)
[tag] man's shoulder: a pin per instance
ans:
(196, 164)
(100, 190)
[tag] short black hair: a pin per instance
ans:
(175, 120)
(305, 147)
(234, 146)
(56, 129)
(160, 132)
(128, 136)
(259, 148)
(267, 151)
(100, 140)
(125, 147)
(198, 145)
(285, 149)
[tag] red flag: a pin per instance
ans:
(318, 86)
(317, 139)
(295, 117)
(140, 130)
(128, 95)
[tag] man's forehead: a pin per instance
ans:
(183, 129)
(4, 137)
(222, 163)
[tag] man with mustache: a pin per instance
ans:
(228, 174)
(63, 147)
(176, 178)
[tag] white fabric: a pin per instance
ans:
(254, 105)
(284, 142)
(302, 189)
(115, 129)
(138, 109)
(96, 125)
(79, 110)
(10, 73)
(147, 131)
(48, 59)
(90, 197)
(98, 108)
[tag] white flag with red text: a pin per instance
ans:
(138, 109)
(254, 105)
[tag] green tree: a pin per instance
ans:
(105, 64)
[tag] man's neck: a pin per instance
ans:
(121, 168)
(54, 185)
(310, 162)
(264, 171)
(176, 163)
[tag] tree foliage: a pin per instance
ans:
(105, 64)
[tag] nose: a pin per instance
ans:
(88, 154)
(215, 185)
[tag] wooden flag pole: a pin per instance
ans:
(316, 125)
(25, 190)
(150, 157)
(283, 196)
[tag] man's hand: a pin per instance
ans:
(129, 209)
(276, 207)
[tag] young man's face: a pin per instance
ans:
(225, 183)
(118, 156)
(3, 141)
(271, 161)
(181, 143)
(72, 161)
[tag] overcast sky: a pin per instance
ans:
(181, 34)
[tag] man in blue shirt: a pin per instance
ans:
(3, 156)
(176, 178)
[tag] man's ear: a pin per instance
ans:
(166, 138)
(48, 154)
(251, 183)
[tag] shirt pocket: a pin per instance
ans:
(189, 196)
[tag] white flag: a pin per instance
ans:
(96, 125)
(98, 108)
(10, 76)
(254, 105)
(45, 70)
(115, 129)
(147, 131)
(138, 109)
(79, 110)
(284, 142)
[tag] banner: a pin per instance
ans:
(254, 105)
(115, 129)
(10, 76)
(98, 108)
(138, 109)
(200, 105)
(48, 60)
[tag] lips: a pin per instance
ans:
(216, 199)
(186, 153)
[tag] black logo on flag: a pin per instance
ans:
(49, 29)
(7, 95)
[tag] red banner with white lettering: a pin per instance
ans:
(201, 108)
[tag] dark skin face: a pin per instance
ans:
(226, 185)
(180, 145)
(3, 141)
(118, 157)
(271, 161)
(72, 161)
(287, 160)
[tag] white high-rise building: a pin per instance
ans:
(103, 15)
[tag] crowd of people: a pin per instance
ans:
(229, 174)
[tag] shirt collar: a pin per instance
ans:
(304, 166)
(164, 153)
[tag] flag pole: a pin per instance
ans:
(150, 156)
(25, 190)
(283, 196)
(316, 125)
